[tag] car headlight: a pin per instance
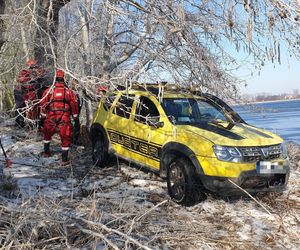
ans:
(231, 154)
(283, 149)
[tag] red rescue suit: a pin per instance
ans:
(29, 93)
(58, 105)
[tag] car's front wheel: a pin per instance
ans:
(183, 185)
(99, 153)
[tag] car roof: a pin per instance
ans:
(165, 94)
(178, 92)
(156, 92)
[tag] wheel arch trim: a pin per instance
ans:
(98, 127)
(183, 149)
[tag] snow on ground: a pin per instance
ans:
(122, 206)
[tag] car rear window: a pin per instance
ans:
(146, 108)
(124, 105)
(109, 101)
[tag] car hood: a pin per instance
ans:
(240, 135)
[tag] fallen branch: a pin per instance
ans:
(136, 219)
(110, 230)
(100, 235)
(24, 164)
(260, 204)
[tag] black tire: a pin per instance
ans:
(99, 150)
(183, 185)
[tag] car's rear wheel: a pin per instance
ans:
(99, 153)
(183, 185)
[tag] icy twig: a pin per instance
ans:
(259, 203)
(97, 234)
(136, 219)
(110, 230)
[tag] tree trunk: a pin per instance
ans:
(86, 58)
(2, 25)
(2, 40)
(24, 42)
(47, 16)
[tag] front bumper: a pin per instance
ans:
(250, 181)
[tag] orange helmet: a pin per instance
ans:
(60, 73)
(31, 62)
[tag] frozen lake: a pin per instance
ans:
(280, 117)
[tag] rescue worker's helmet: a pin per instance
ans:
(60, 73)
(31, 63)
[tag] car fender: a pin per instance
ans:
(96, 128)
(171, 150)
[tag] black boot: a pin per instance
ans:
(47, 149)
(64, 158)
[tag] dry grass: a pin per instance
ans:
(43, 223)
(123, 214)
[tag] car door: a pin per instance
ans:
(147, 130)
(118, 125)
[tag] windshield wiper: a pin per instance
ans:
(219, 124)
(229, 119)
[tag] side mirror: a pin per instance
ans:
(154, 122)
(172, 119)
(159, 124)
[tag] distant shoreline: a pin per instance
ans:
(280, 100)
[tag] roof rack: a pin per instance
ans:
(195, 90)
(151, 87)
(154, 87)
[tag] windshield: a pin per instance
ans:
(190, 111)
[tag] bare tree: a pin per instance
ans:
(186, 42)
(2, 26)
(181, 41)
(47, 19)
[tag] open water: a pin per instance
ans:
(280, 117)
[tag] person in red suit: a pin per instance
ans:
(27, 92)
(20, 91)
(58, 105)
(37, 76)
(37, 86)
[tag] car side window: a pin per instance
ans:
(146, 109)
(109, 101)
(124, 105)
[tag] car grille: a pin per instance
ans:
(252, 154)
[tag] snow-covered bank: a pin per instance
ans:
(81, 206)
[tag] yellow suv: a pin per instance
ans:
(193, 139)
